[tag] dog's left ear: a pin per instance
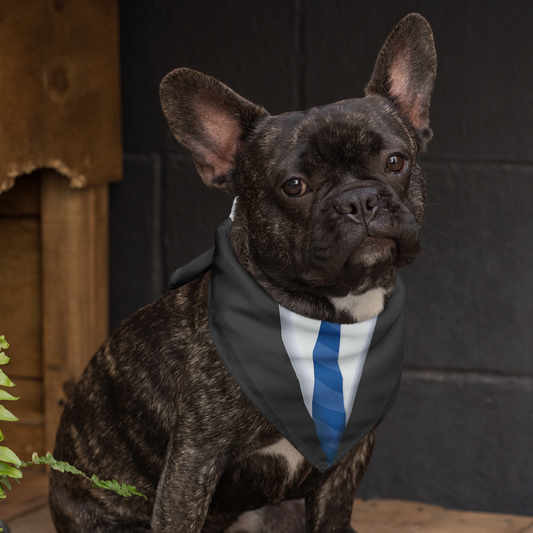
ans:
(405, 72)
(209, 120)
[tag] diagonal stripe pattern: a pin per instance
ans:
(328, 405)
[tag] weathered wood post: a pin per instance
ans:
(60, 122)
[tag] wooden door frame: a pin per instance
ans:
(60, 102)
(75, 286)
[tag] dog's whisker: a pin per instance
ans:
(437, 231)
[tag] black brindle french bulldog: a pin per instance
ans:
(330, 202)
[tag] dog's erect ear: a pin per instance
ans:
(209, 120)
(405, 71)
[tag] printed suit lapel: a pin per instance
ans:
(265, 375)
(245, 327)
(380, 380)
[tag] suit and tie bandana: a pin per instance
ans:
(324, 386)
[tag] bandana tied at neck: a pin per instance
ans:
(324, 386)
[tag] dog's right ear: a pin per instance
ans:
(405, 72)
(209, 120)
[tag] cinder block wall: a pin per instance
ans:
(461, 434)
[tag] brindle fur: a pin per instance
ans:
(156, 407)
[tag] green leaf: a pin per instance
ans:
(128, 490)
(62, 466)
(3, 344)
(9, 456)
(5, 381)
(4, 359)
(73, 470)
(1, 436)
(98, 483)
(56, 465)
(6, 415)
(10, 471)
(4, 395)
(115, 486)
(5, 481)
(135, 492)
(36, 460)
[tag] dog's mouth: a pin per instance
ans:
(341, 254)
(372, 253)
(358, 233)
(368, 260)
(373, 250)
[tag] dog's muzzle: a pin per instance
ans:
(361, 205)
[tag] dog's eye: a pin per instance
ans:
(396, 163)
(294, 187)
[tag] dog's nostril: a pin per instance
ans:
(358, 203)
(371, 203)
(346, 208)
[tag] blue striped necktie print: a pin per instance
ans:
(328, 403)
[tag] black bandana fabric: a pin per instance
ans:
(246, 330)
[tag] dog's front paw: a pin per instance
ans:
(284, 517)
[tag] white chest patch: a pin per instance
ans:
(362, 306)
(300, 334)
(286, 450)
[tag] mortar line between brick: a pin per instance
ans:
(475, 162)
(465, 374)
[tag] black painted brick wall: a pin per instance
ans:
(461, 434)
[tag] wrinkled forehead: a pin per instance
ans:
(344, 134)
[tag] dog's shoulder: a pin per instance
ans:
(176, 313)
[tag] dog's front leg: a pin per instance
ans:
(186, 487)
(327, 511)
(329, 503)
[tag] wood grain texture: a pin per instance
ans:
(20, 294)
(397, 516)
(60, 90)
(74, 226)
(27, 435)
(29, 408)
(38, 521)
(26, 511)
(31, 494)
(24, 439)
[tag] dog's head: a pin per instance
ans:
(330, 200)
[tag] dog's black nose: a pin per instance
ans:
(360, 204)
